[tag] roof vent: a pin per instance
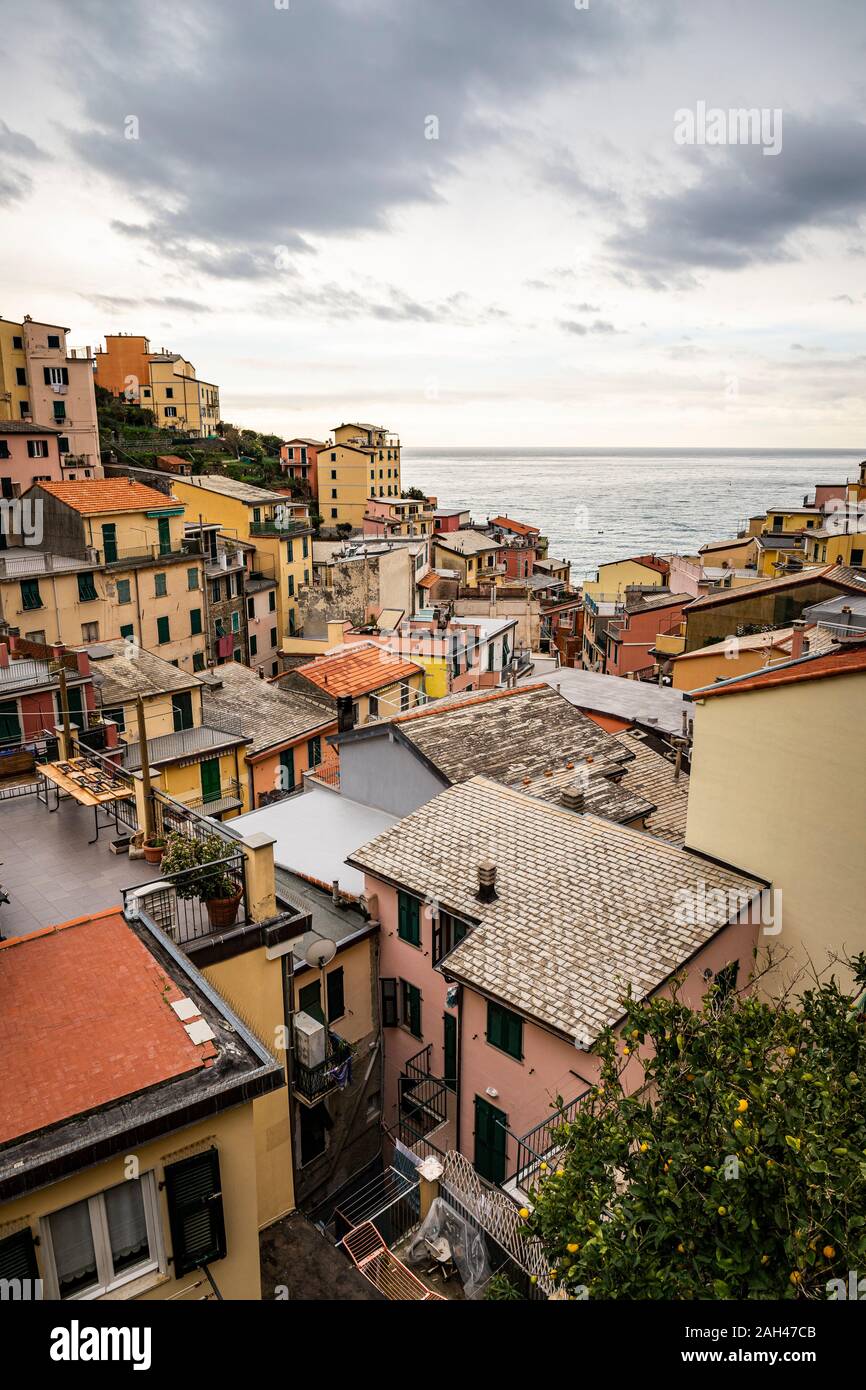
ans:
(573, 798)
(486, 881)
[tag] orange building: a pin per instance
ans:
(123, 366)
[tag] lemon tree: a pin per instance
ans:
(738, 1169)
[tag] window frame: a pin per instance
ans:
(506, 1016)
(445, 937)
(409, 906)
(97, 1212)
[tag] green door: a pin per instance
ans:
(210, 780)
(450, 1051)
(164, 535)
(109, 542)
(10, 728)
(181, 709)
(490, 1139)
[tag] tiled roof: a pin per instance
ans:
(26, 427)
(85, 1020)
(640, 702)
(837, 574)
(357, 669)
(753, 641)
(845, 661)
(232, 487)
(184, 743)
(92, 495)
(123, 672)
(520, 528)
(269, 715)
(467, 542)
(585, 908)
(653, 776)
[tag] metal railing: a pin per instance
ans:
(315, 1082)
(175, 904)
(277, 528)
(423, 1096)
(543, 1143)
(229, 796)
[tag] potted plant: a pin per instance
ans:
(154, 849)
(202, 876)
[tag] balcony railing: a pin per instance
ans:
(312, 1083)
(543, 1144)
(174, 904)
(273, 527)
(229, 797)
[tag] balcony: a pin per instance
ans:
(312, 1084)
(670, 644)
(272, 527)
(543, 1144)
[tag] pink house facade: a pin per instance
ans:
(491, 1006)
(631, 638)
(62, 395)
(28, 454)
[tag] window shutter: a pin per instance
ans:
(195, 1209)
(65, 375)
(18, 1256)
(389, 1003)
(46, 375)
(336, 995)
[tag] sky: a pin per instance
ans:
(477, 222)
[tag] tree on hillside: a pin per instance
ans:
(740, 1172)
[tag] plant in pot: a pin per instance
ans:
(202, 876)
(154, 848)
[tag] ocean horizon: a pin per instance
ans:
(597, 505)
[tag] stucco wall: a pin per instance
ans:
(382, 772)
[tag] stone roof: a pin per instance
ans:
(466, 542)
(584, 908)
(640, 702)
(122, 671)
(653, 776)
(231, 487)
(268, 714)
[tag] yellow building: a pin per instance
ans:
(838, 544)
(603, 596)
(760, 801)
(472, 555)
(127, 1147)
(737, 554)
(362, 462)
(178, 399)
(111, 562)
(735, 656)
(266, 519)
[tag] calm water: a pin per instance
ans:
(602, 505)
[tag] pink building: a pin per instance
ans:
(631, 636)
(447, 519)
(62, 395)
(28, 454)
(511, 930)
(30, 690)
(299, 460)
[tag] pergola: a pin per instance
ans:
(88, 782)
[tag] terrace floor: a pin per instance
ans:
(51, 873)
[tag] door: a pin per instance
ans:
(109, 542)
(210, 780)
(450, 1051)
(73, 701)
(181, 709)
(490, 1140)
(10, 728)
(164, 535)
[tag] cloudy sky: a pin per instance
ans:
(469, 219)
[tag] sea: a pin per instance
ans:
(603, 504)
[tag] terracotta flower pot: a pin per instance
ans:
(222, 912)
(153, 853)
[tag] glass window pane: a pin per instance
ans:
(74, 1255)
(127, 1227)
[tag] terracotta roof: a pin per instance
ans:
(357, 669)
(91, 495)
(836, 574)
(584, 910)
(85, 1020)
(520, 528)
(844, 662)
(428, 580)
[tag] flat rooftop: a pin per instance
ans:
(658, 707)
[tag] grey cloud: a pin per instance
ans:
(581, 329)
(269, 127)
(15, 144)
(387, 303)
(745, 208)
(120, 304)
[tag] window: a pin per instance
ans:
(163, 631)
(215, 592)
(290, 552)
(109, 542)
(30, 596)
(287, 770)
(374, 706)
(181, 710)
(86, 589)
(90, 632)
(4, 449)
(449, 1051)
(169, 393)
(251, 607)
(314, 751)
(505, 1030)
(118, 715)
(198, 661)
(171, 411)
(254, 646)
(408, 918)
(17, 344)
(97, 1244)
(410, 1008)
(447, 932)
(160, 588)
(314, 1125)
(725, 980)
(127, 632)
(195, 621)
(24, 407)
(334, 513)
(53, 340)
(123, 591)
(210, 780)
(273, 636)
(310, 1001)
(336, 995)
(195, 1211)
(236, 621)
(146, 392)
(272, 601)
(21, 376)
(333, 458)
(37, 448)
(306, 548)
(390, 1012)
(291, 586)
(59, 412)
(257, 516)
(857, 557)
(192, 579)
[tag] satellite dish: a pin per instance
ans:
(320, 954)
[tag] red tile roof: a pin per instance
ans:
(91, 495)
(844, 662)
(358, 669)
(85, 1019)
(429, 580)
(520, 528)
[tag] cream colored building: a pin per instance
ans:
(178, 399)
(43, 383)
(362, 462)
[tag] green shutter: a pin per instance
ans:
(412, 1008)
(336, 994)
(123, 591)
(164, 535)
(408, 919)
(198, 661)
(195, 1210)
(86, 588)
(163, 632)
(195, 621)
(192, 579)
(18, 1256)
(127, 630)
(109, 542)
(30, 597)
(314, 751)
(491, 1125)
(287, 764)
(10, 727)
(505, 1030)
(181, 709)
(449, 1050)
(210, 780)
(310, 1001)
(159, 585)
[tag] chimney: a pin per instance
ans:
(573, 798)
(797, 635)
(486, 881)
(345, 714)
